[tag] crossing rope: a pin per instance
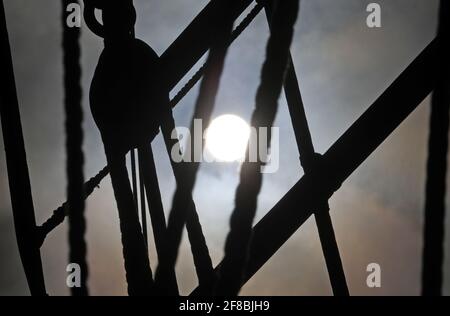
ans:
(59, 214)
(272, 77)
(309, 160)
(199, 73)
(235, 255)
(183, 194)
(202, 259)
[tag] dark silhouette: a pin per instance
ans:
(74, 152)
(130, 103)
(342, 159)
(309, 160)
(433, 252)
(188, 171)
(272, 78)
(126, 101)
(16, 162)
(143, 205)
(61, 212)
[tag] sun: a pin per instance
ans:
(227, 137)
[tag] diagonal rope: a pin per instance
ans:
(199, 73)
(199, 248)
(180, 95)
(74, 152)
(200, 253)
(272, 77)
(61, 212)
(155, 206)
(143, 206)
(309, 159)
(434, 234)
(203, 111)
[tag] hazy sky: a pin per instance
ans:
(342, 65)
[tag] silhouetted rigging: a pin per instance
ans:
(129, 102)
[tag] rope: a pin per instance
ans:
(199, 73)
(202, 259)
(155, 205)
(61, 212)
(119, 17)
(309, 159)
(74, 142)
(137, 265)
(273, 72)
(183, 194)
(434, 234)
(17, 168)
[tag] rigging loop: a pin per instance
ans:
(119, 18)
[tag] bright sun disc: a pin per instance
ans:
(227, 137)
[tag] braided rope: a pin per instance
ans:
(199, 73)
(272, 77)
(183, 194)
(202, 259)
(119, 17)
(61, 212)
(308, 160)
(74, 143)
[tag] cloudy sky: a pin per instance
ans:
(343, 66)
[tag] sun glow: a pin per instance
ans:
(227, 138)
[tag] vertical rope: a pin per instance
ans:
(119, 17)
(433, 252)
(183, 194)
(308, 159)
(74, 151)
(137, 265)
(272, 77)
(16, 162)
